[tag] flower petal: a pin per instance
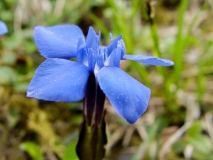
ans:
(149, 60)
(58, 41)
(114, 58)
(91, 50)
(3, 28)
(81, 52)
(116, 43)
(128, 96)
(93, 40)
(59, 80)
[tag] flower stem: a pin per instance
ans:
(93, 102)
(92, 134)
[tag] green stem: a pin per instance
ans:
(92, 137)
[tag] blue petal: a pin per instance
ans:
(114, 58)
(59, 80)
(58, 41)
(93, 40)
(82, 53)
(92, 48)
(128, 96)
(116, 43)
(99, 63)
(3, 28)
(149, 60)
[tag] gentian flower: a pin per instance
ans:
(3, 28)
(60, 79)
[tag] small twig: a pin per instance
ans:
(188, 151)
(142, 132)
(50, 155)
(165, 148)
(141, 150)
(59, 6)
(115, 138)
(153, 149)
(128, 136)
(193, 109)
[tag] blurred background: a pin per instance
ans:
(179, 121)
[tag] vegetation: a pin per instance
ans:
(179, 121)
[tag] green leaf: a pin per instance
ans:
(21, 87)
(202, 145)
(195, 129)
(8, 75)
(91, 142)
(32, 149)
(70, 152)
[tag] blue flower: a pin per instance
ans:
(3, 28)
(60, 79)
